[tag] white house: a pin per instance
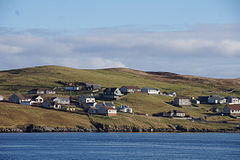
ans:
(86, 99)
(216, 99)
(61, 100)
(181, 101)
(37, 99)
(125, 109)
(173, 94)
(233, 100)
(129, 89)
(18, 98)
(232, 109)
(112, 93)
(107, 111)
(150, 90)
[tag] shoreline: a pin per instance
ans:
(39, 129)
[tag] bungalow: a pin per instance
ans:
(174, 113)
(18, 98)
(61, 100)
(181, 101)
(232, 109)
(216, 99)
(37, 99)
(233, 100)
(86, 99)
(1, 98)
(172, 94)
(86, 102)
(112, 93)
(125, 109)
(150, 90)
(107, 111)
(129, 89)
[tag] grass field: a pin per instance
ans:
(22, 80)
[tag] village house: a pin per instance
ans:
(232, 109)
(112, 93)
(37, 99)
(107, 111)
(129, 89)
(203, 99)
(1, 98)
(194, 101)
(233, 100)
(181, 101)
(216, 99)
(61, 100)
(125, 109)
(57, 106)
(20, 99)
(86, 101)
(174, 113)
(150, 90)
(172, 94)
(41, 91)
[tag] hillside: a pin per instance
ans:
(22, 80)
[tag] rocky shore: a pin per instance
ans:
(105, 128)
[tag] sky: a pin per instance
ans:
(186, 37)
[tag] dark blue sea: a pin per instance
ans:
(120, 146)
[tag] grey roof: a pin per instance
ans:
(150, 88)
(217, 97)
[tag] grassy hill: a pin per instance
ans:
(22, 80)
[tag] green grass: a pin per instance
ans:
(22, 80)
(13, 115)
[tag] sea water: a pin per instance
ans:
(120, 146)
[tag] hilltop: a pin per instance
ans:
(22, 80)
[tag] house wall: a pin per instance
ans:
(61, 101)
(150, 91)
(14, 99)
(111, 112)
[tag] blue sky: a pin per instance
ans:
(182, 36)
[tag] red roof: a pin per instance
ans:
(234, 106)
(132, 87)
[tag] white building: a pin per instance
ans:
(216, 99)
(61, 100)
(86, 99)
(232, 109)
(233, 100)
(150, 90)
(129, 89)
(125, 109)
